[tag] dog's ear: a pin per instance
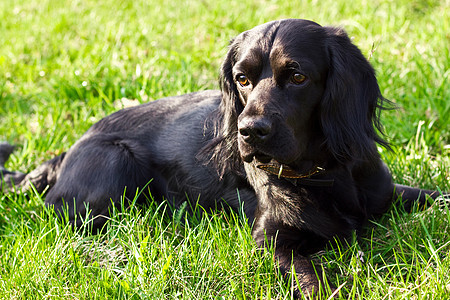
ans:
(352, 101)
(222, 151)
(230, 107)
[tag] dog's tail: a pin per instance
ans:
(8, 178)
(5, 151)
(408, 196)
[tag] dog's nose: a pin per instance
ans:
(255, 130)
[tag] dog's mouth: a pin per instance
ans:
(272, 166)
(257, 156)
(262, 158)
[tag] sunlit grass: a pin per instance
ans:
(63, 64)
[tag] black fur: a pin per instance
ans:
(211, 144)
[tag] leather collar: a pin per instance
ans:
(286, 172)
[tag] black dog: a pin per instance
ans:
(294, 130)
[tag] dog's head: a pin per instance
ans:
(294, 90)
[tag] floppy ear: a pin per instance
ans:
(223, 150)
(352, 101)
(230, 106)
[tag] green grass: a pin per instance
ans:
(64, 63)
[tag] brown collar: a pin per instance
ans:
(286, 172)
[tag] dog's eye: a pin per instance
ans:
(243, 80)
(298, 78)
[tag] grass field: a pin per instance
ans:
(63, 65)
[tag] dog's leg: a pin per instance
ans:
(101, 172)
(42, 177)
(309, 281)
(291, 255)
